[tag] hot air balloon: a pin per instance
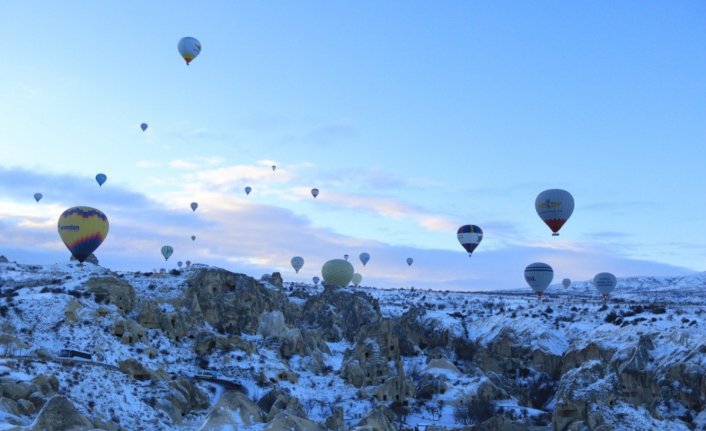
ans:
(193, 237)
(357, 278)
(297, 263)
(345, 256)
(274, 167)
(248, 189)
(538, 275)
(167, 251)
(410, 261)
(194, 205)
(337, 272)
(100, 179)
(316, 280)
(566, 282)
(605, 283)
(189, 48)
(188, 263)
(314, 193)
(143, 126)
(38, 196)
(82, 229)
(554, 207)
(469, 235)
(180, 263)
(364, 258)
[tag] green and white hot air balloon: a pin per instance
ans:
(337, 272)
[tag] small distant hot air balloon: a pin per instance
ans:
(469, 235)
(100, 179)
(248, 189)
(337, 272)
(274, 167)
(357, 278)
(180, 263)
(605, 283)
(189, 48)
(143, 126)
(38, 196)
(188, 263)
(193, 237)
(364, 258)
(345, 256)
(566, 282)
(83, 230)
(167, 251)
(316, 280)
(194, 205)
(538, 275)
(410, 261)
(297, 263)
(554, 207)
(314, 193)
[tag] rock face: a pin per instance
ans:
(233, 409)
(59, 414)
(380, 418)
(135, 369)
(175, 325)
(340, 314)
(113, 291)
(130, 332)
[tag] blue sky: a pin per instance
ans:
(412, 118)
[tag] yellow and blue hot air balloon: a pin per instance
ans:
(189, 48)
(82, 229)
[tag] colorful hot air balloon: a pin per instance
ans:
(337, 272)
(605, 283)
(316, 280)
(297, 263)
(345, 256)
(167, 251)
(538, 275)
(38, 196)
(82, 229)
(364, 258)
(314, 193)
(180, 263)
(100, 179)
(554, 207)
(357, 278)
(194, 205)
(189, 48)
(274, 167)
(469, 235)
(248, 189)
(143, 126)
(410, 261)
(193, 237)
(566, 282)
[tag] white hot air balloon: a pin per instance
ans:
(554, 207)
(297, 263)
(538, 275)
(605, 283)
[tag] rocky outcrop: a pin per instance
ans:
(59, 414)
(136, 369)
(380, 418)
(130, 332)
(234, 409)
(174, 325)
(335, 421)
(272, 325)
(284, 421)
(277, 401)
(338, 313)
(183, 396)
(206, 342)
(113, 290)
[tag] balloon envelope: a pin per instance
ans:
(193, 237)
(180, 263)
(554, 207)
(337, 272)
(314, 193)
(605, 283)
(315, 280)
(194, 205)
(248, 189)
(101, 178)
(189, 48)
(274, 167)
(364, 258)
(566, 282)
(410, 261)
(357, 278)
(538, 275)
(188, 263)
(167, 251)
(143, 126)
(297, 263)
(345, 256)
(83, 230)
(469, 235)
(38, 196)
